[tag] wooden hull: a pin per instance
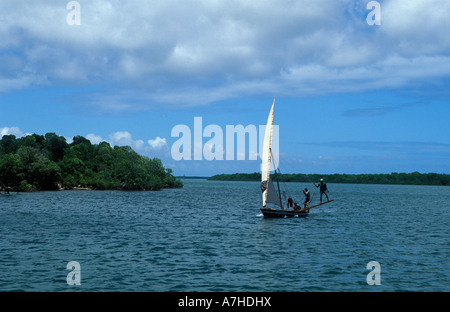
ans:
(278, 213)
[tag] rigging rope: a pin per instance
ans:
(285, 188)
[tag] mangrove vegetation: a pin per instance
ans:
(48, 162)
(414, 178)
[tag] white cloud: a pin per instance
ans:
(11, 130)
(95, 139)
(69, 139)
(417, 27)
(197, 52)
(123, 138)
(158, 143)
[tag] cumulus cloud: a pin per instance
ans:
(125, 138)
(95, 139)
(197, 52)
(158, 143)
(11, 130)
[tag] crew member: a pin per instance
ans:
(307, 198)
(323, 189)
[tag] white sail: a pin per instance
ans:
(270, 195)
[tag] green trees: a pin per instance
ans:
(414, 178)
(48, 162)
(10, 170)
(27, 167)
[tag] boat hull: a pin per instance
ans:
(277, 213)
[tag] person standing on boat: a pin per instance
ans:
(307, 198)
(323, 189)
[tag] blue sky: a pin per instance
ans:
(351, 98)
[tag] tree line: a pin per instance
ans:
(48, 162)
(414, 178)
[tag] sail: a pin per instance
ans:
(270, 195)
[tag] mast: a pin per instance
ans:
(278, 183)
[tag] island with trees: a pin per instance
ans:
(414, 178)
(47, 162)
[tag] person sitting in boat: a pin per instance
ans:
(296, 206)
(307, 198)
(290, 202)
(323, 189)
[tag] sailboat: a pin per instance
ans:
(270, 195)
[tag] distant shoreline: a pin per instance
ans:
(414, 178)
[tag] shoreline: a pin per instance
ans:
(414, 178)
(62, 188)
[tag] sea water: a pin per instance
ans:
(210, 236)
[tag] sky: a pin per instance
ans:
(351, 96)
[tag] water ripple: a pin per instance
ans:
(210, 236)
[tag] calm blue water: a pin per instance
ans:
(210, 236)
